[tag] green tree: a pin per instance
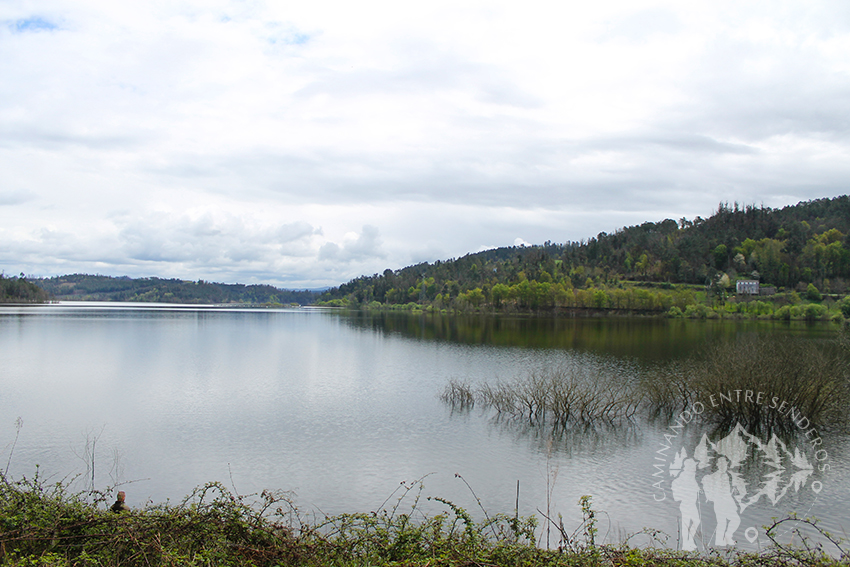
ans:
(721, 256)
(812, 293)
(600, 299)
(844, 305)
(499, 294)
(475, 296)
(643, 264)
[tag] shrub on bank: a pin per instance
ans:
(675, 303)
(44, 525)
(699, 311)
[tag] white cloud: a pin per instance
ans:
(243, 141)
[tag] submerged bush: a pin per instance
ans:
(763, 382)
(758, 381)
(809, 378)
(459, 394)
(561, 397)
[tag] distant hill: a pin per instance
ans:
(19, 290)
(788, 248)
(83, 287)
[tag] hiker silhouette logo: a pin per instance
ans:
(730, 482)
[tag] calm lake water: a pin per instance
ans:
(340, 409)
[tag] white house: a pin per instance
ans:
(747, 287)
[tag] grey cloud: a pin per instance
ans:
(294, 231)
(690, 143)
(753, 91)
(427, 70)
(175, 246)
(430, 252)
(509, 178)
(755, 112)
(9, 198)
(659, 164)
(329, 251)
(59, 137)
(164, 238)
(245, 252)
(47, 251)
(366, 246)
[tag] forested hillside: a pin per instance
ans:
(19, 290)
(786, 248)
(104, 288)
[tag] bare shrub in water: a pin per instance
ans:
(458, 394)
(561, 396)
(667, 389)
(772, 383)
(762, 382)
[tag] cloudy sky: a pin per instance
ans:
(305, 143)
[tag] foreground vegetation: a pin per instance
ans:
(43, 524)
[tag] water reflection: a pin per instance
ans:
(645, 339)
(573, 441)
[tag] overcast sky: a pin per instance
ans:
(306, 143)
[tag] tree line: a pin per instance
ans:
(652, 266)
(84, 287)
(19, 290)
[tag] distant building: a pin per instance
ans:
(767, 290)
(747, 287)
